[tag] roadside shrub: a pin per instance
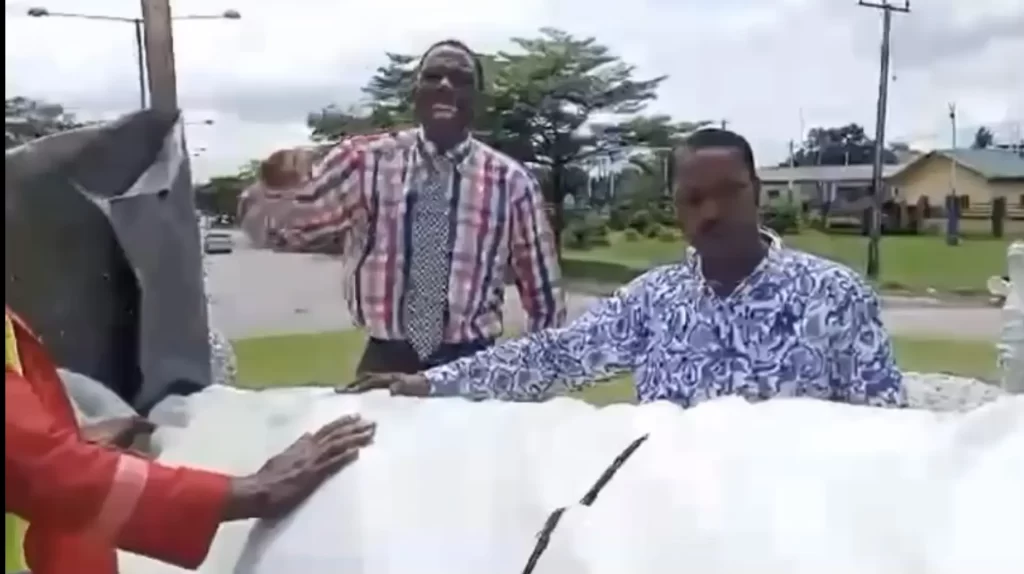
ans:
(631, 235)
(782, 219)
(641, 221)
(618, 218)
(653, 230)
(586, 232)
(575, 238)
(668, 235)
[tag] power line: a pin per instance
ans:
(887, 9)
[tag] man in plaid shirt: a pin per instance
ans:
(434, 219)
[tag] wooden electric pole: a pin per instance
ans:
(878, 190)
(159, 40)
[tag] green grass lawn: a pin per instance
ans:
(908, 263)
(331, 358)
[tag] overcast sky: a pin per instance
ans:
(764, 65)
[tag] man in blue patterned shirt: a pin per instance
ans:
(741, 315)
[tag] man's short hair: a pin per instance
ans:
(716, 137)
(478, 66)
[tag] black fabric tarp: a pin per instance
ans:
(103, 254)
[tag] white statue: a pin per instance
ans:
(1011, 340)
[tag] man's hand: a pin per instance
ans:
(398, 383)
(119, 433)
(287, 168)
(290, 477)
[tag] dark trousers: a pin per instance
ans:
(382, 356)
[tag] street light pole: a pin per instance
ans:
(138, 24)
(163, 92)
(140, 60)
(878, 193)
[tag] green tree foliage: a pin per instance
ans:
(541, 106)
(983, 138)
(332, 123)
(27, 119)
(219, 196)
(843, 145)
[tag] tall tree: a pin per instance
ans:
(27, 119)
(983, 138)
(547, 98)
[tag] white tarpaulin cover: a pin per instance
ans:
(788, 486)
(103, 258)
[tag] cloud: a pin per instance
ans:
(767, 66)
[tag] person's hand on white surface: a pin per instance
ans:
(414, 385)
(290, 477)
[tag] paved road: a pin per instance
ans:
(262, 293)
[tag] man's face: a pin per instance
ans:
(445, 91)
(715, 199)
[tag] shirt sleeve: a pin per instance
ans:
(863, 369)
(612, 336)
(534, 256)
(57, 481)
(308, 216)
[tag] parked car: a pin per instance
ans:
(218, 242)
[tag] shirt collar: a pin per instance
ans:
(775, 247)
(455, 155)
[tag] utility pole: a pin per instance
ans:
(725, 124)
(792, 164)
(156, 24)
(953, 209)
(878, 191)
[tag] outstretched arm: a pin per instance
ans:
(309, 215)
(612, 336)
(534, 256)
(58, 481)
(863, 368)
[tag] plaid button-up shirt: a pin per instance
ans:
(360, 195)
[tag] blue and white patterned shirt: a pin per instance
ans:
(799, 325)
